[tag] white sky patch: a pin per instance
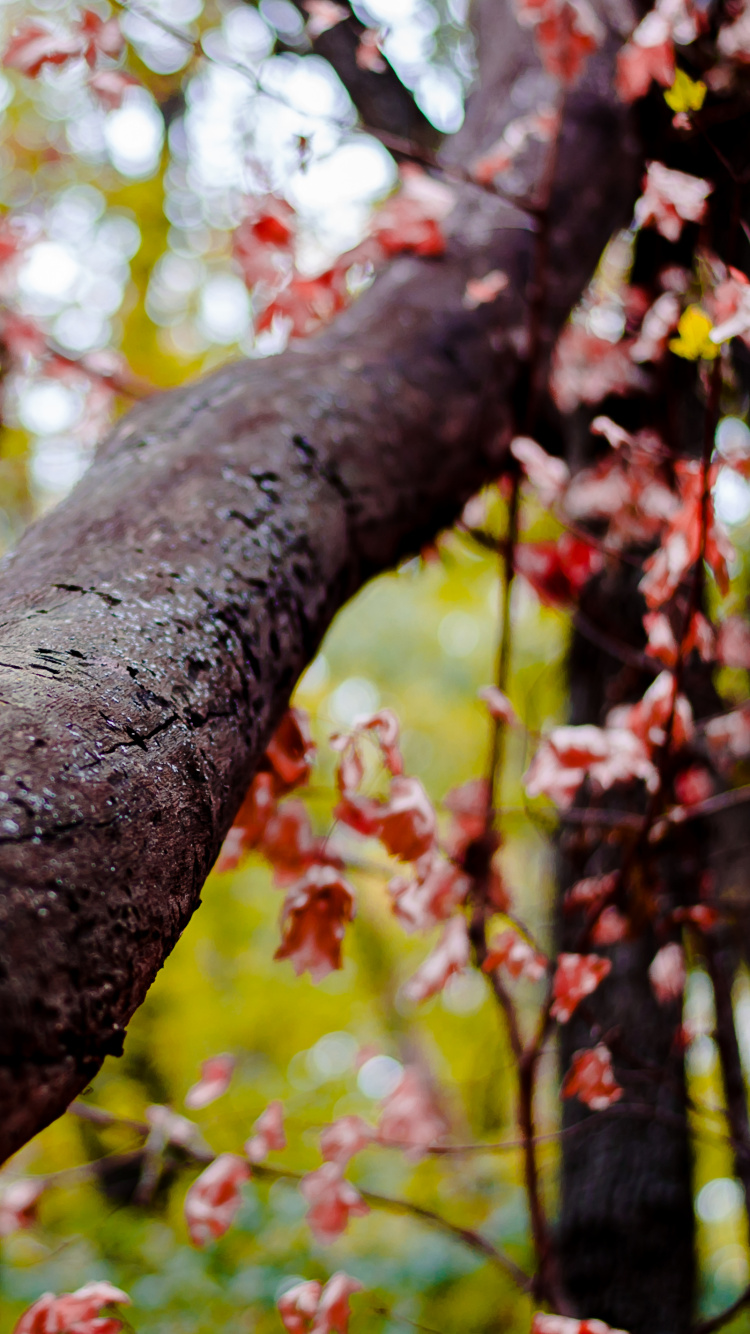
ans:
(134, 134)
(50, 270)
(355, 696)
(719, 1200)
(379, 1076)
(224, 313)
(48, 407)
(731, 497)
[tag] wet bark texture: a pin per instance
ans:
(154, 625)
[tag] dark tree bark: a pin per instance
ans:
(627, 1232)
(154, 625)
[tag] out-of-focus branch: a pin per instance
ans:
(381, 99)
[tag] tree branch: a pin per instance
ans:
(153, 625)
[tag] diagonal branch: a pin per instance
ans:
(154, 625)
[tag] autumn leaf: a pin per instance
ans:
(693, 341)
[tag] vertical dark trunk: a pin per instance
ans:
(626, 1228)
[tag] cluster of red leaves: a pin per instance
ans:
(566, 32)
(649, 55)
(319, 902)
(687, 537)
(74, 1312)
(311, 1308)
(264, 249)
(92, 39)
(519, 959)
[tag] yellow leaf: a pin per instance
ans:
(693, 340)
(686, 94)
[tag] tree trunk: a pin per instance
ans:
(155, 623)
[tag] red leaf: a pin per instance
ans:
(314, 917)
(450, 955)
(76, 1312)
(429, 897)
(35, 45)
(333, 1201)
(341, 1140)
(557, 571)
(99, 37)
(577, 976)
(610, 926)
(214, 1199)
(591, 1079)
(512, 952)
(291, 751)
(407, 821)
(361, 814)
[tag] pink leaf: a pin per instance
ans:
(671, 198)
(333, 1201)
(77, 1312)
(429, 897)
(410, 1118)
(548, 476)
(18, 1201)
(269, 1133)
(368, 54)
(667, 973)
(450, 955)
(213, 1200)
(34, 45)
(110, 86)
(343, 1138)
(481, 290)
(298, 1306)
(333, 1308)
(324, 14)
(216, 1075)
